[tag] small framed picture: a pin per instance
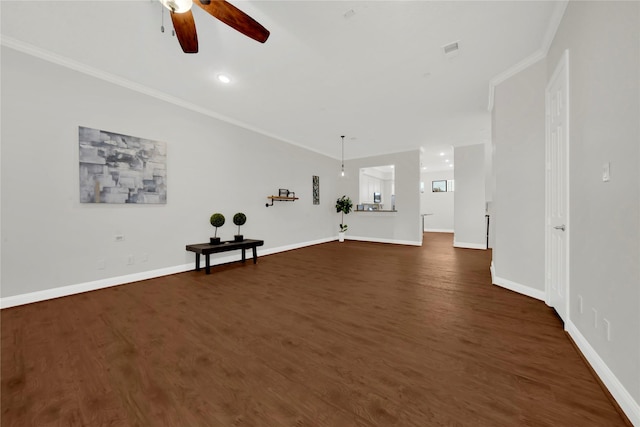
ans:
(316, 189)
(439, 186)
(284, 192)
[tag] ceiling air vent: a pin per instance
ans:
(451, 49)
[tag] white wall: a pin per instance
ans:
(518, 134)
(469, 223)
(603, 39)
(438, 204)
(403, 226)
(50, 240)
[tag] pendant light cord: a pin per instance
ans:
(342, 154)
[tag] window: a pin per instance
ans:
(443, 186)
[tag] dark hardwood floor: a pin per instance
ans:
(338, 334)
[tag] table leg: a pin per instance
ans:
(207, 265)
(255, 254)
(197, 261)
(244, 256)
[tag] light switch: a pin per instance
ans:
(606, 172)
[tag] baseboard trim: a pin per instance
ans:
(381, 240)
(438, 230)
(63, 291)
(627, 404)
(286, 248)
(516, 287)
(465, 245)
(79, 288)
(492, 269)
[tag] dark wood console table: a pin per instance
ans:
(207, 249)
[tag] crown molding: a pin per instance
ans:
(539, 54)
(63, 61)
(554, 23)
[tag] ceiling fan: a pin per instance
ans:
(185, 26)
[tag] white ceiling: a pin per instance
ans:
(377, 75)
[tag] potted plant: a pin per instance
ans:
(217, 220)
(239, 219)
(343, 207)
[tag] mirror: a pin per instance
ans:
(377, 189)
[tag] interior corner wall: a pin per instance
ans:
(439, 205)
(518, 208)
(470, 226)
(603, 39)
(51, 240)
(403, 226)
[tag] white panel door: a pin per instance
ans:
(557, 189)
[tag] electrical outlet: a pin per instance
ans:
(595, 318)
(131, 260)
(118, 237)
(607, 328)
(101, 264)
(580, 306)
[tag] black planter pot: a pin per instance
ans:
(214, 240)
(238, 238)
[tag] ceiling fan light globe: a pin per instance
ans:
(177, 6)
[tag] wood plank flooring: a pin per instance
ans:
(338, 334)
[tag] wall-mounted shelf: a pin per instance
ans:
(280, 199)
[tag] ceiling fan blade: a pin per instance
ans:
(185, 28)
(235, 18)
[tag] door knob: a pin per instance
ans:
(559, 227)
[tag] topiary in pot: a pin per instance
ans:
(239, 219)
(217, 220)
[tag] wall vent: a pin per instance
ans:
(451, 49)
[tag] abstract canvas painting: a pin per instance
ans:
(117, 168)
(316, 190)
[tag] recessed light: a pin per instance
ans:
(451, 165)
(442, 154)
(447, 161)
(224, 78)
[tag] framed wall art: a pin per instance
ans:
(117, 168)
(316, 189)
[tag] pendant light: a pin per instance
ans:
(342, 155)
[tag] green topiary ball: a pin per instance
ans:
(239, 219)
(217, 220)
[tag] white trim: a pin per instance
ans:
(37, 52)
(629, 406)
(438, 230)
(540, 53)
(79, 288)
(512, 71)
(554, 23)
(515, 287)
(381, 240)
(492, 268)
(466, 245)
(279, 249)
